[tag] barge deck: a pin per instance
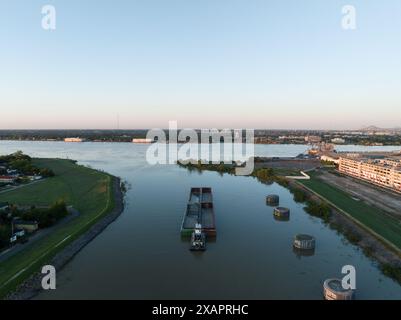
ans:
(199, 211)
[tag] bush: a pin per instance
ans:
(368, 251)
(23, 163)
(47, 173)
(354, 238)
(321, 210)
(47, 217)
(264, 174)
(282, 182)
(5, 234)
(391, 271)
(299, 196)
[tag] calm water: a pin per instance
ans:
(141, 255)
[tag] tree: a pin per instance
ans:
(45, 172)
(5, 235)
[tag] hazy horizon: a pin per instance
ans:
(206, 64)
(197, 128)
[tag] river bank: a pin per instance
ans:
(91, 192)
(374, 247)
(32, 286)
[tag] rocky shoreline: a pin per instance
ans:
(32, 286)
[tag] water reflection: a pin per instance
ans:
(299, 253)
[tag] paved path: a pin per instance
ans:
(375, 196)
(21, 186)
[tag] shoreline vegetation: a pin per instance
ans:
(374, 245)
(365, 143)
(96, 195)
(368, 137)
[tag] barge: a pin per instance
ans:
(199, 211)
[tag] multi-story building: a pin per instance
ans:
(338, 141)
(74, 140)
(142, 140)
(382, 172)
(313, 139)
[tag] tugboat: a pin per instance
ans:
(198, 239)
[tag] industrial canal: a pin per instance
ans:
(142, 255)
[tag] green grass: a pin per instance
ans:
(89, 191)
(374, 218)
(286, 172)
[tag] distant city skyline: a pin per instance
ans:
(366, 128)
(206, 64)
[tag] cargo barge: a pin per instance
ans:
(199, 211)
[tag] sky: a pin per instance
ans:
(284, 64)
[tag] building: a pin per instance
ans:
(8, 179)
(338, 141)
(74, 140)
(332, 157)
(390, 162)
(142, 140)
(321, 148)
(28, 226)
(313, 139)
(382, 172)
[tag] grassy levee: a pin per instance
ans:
(373, 219)
(89, 191)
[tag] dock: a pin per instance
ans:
(199, 211)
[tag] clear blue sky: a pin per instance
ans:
(205, 63)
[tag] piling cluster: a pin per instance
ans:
(304, 245)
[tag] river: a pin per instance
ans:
(141, 254)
